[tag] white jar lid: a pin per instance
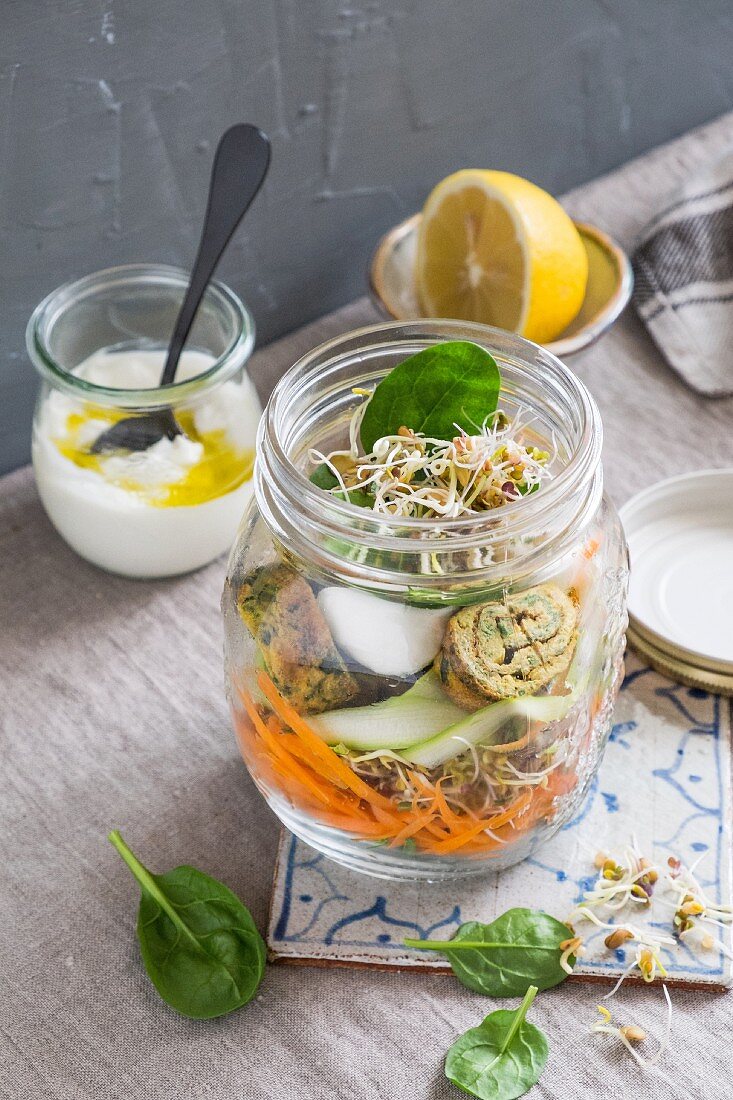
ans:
(680, 535)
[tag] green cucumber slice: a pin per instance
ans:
(409, 719)
(425, 727)
(481, 727)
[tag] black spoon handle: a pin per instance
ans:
(240, 164)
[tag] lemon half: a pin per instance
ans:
(495, 248)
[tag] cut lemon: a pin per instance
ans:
(495, 248)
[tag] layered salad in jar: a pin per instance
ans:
(459, 721)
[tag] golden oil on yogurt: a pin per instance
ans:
(220, 468)
(214, 457)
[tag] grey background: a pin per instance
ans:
(109, 108)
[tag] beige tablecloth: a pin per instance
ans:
(112, 713)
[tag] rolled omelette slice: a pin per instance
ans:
(282, 614)
(509, 648)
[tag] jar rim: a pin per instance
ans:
(523, 513)
(50, 308)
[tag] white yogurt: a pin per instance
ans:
(112, 515)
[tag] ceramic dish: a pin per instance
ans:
(680, 535)
(610, 281)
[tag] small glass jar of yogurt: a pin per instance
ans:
(100, 344)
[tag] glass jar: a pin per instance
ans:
(99, 344)
(342, 626)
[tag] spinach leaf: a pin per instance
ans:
(200, 946)
(452, 383)
(502, 959)
(324, 478)
(501, 1058)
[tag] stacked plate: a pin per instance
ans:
(680, 535)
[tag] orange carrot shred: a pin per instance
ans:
(319, 748)
(414, 826)
(310, 770)
(459, 839)
(291, 766)
(590, 548)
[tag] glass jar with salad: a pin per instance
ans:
(99, 344)
(425, 605)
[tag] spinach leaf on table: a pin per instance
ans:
(502, 959)
(199, 944)
(456, 382)
(500, 1059)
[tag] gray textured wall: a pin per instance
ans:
(109, 109)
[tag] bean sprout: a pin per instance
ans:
(411, 474)
(631, 1034)
(620, 883)
(648, 946)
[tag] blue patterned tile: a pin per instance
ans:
(665, 779)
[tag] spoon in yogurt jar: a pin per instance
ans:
(240, 166)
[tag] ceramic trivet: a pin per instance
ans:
(665, 779)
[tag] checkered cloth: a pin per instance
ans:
(684, 280)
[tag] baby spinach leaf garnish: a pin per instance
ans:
(456, 382)
(324, 478)
(501, 1058)
(199, 944)
(502, 959)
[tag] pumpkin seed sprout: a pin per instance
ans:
(572, 946)
(631, 1036)
(619, 883)
(693, 908)
(647, 947)
(633, 882)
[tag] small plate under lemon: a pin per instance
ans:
(393, 281)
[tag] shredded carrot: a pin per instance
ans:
(289, 769)
(319, 748)
(286, 761)
(512, 811)
(249, 745)
(424, 791)
(297, 793)
(296, 747)
(411, 828)
(313, 775)
(422, 785)
(455, 823)
(590, 548)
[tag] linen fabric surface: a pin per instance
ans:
(113, 714)
(684, 279)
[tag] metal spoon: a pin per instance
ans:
(240, 165)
